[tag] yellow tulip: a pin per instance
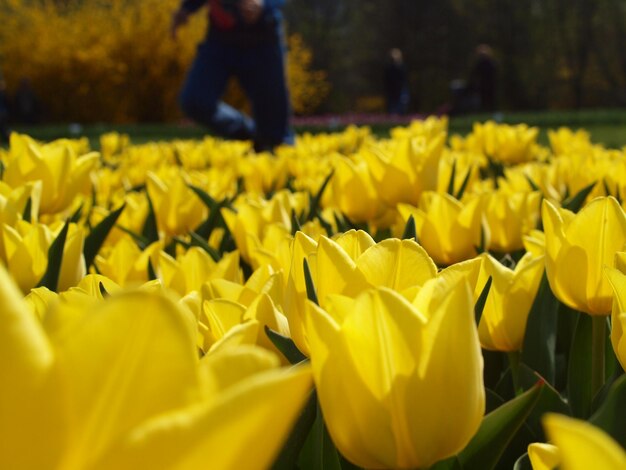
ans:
(63, 173)
(504, 143)
(27, 247)
(583, 446)
(96, 390)
(407, 168)
(509, 217)
(176, 207)
(618, 339)
(125, 263)
(189, 271)
(412, 374)
(353, 192)
(401, 265)
(578, 247)
(543, 456)
(449, 230)
(503, 322)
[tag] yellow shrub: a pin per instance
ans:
(113, 60)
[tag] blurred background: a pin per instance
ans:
(112, 61)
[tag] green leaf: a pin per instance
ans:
(151, 272)
(579, 388)
(150, 230)
(532, 183)
(28, 208)
(497, 430)
(204, 196)
(50, 278)
(319, 452)
(214, 219)
(463, 187)
(288, 457)
(315, 200)
(98, 235)
(295, 223)
(142, 242)
(538, 349)
(75, 218)
(452, 178)
(409, 229)
(286, 346)
(482, 300)
(452, 463)
(311, 293)
(197, 240)
(549, 401)
(575, 203)
(607, 190)
(611, 415)
(523, 463)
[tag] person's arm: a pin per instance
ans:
(190, 6)
(181, 16)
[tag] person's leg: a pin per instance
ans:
(200, 95)
(263, 78)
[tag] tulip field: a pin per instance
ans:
(419, 301)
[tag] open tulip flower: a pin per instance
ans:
(509, 217)
(575, 445)
(349, 266)
(26, 247)
(123, 388)
(64, 173)
(449, 230)
(579, 247)
(503, 322)
(177, 209)
(403, 171)
(400, 384)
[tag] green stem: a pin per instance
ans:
(598, 339)
(514, 360)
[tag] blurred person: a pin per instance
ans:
(483, 77)
(4, 111)
(25, 103)
(396, 83)
(244, 40)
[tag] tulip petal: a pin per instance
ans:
(450, 359)
(131, 358)
(355, 423)
(244, 427)
(396, 264)
(543, 456)
(28, 390)
(582, 445)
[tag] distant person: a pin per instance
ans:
(396, 83)
(245, 40)
(4, 112)
(26, 107)
(483, 78)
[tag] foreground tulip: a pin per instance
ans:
(581, 446)
(400, 384)
(543, 456)
(618, 282)
(503, 322)
(578, 247)
(124, 389)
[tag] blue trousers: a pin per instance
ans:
(260, 69)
